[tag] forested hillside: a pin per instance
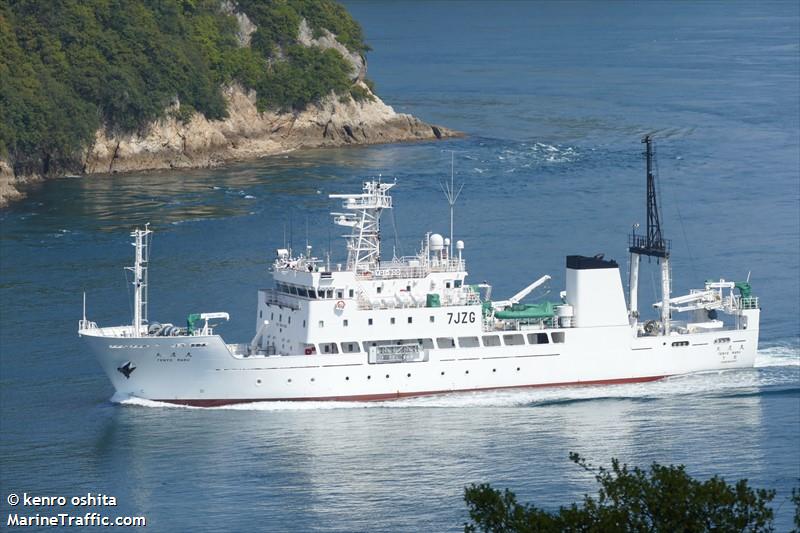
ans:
(70, 67)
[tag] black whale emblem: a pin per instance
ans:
(127, 369)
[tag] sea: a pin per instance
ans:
(554, 98)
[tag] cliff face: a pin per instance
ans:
(247, 133)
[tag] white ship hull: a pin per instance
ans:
(212, 375)
(377, 329)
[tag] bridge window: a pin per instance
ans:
(410, 320)
(379, 289)
(447, 285)
(329, 347)
(322, 323)
(513, 340)
(369, 321)
(559, 336)
(468, 342)
(537, 338)
(457, 283)
(350, 347)
(491, 340)
(391, 320)
(345, 322)
(446, 342)
(432, 319)
(340, 294)
(351, 293)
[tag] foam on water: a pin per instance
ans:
(715, 383)
(780, 354)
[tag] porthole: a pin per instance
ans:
(387, 376)
(312, 379)
(347, 378)
(289, 380)
(408, 375)
(517, 369)
(443, 372)
(369, 377)
(466, 371)
(258, 382)
(494, 370)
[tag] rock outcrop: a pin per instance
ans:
(248, 133)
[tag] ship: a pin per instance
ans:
(371, 328)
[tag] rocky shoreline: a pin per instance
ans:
(246, 134)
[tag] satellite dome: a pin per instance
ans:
(436, 242)
(459, 245)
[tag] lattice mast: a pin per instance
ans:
(652, 244)
(363, 216)
(141, 242)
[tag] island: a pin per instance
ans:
(102, 87)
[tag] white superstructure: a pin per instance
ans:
(381, 328)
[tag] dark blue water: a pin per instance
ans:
(554, 98)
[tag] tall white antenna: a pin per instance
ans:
(449, 190)
(139, 269)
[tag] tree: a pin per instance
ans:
(661, 499)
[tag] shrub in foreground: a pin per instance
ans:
(658, 499)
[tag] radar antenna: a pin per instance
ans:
(363, 217)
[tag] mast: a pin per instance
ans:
(652, 244)
(364, 218)
(449, 190)
(139, 269)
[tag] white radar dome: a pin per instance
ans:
(446, 241)
(436, 242)
(459, 245)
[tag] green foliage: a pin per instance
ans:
(661, 499)
(68, 67)
(308, 75)
(327, 14)
(360, 94)
(796, 502)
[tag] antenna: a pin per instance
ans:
(291, 232)
(450, 193)
(141, 241)
(651, 244)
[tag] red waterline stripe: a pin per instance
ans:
(398, 395)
